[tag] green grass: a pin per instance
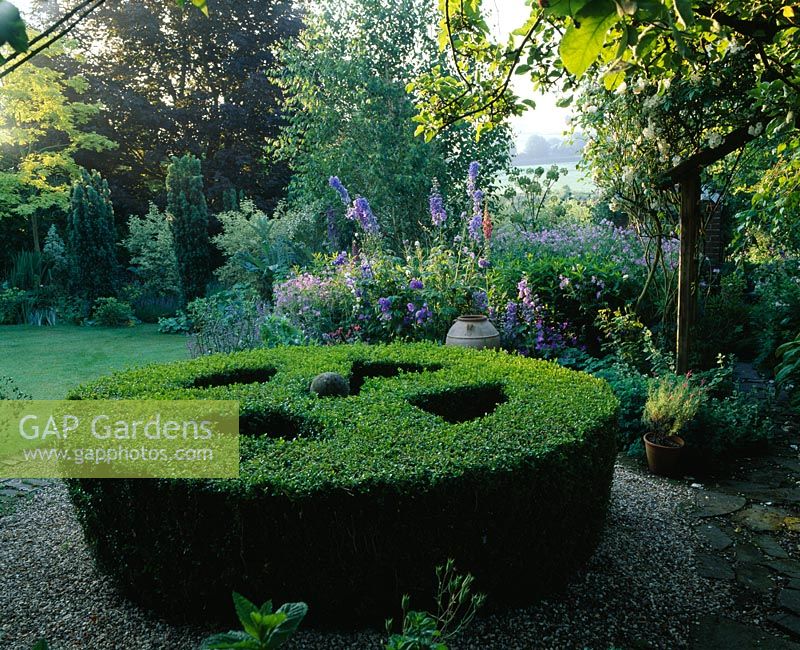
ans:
(46, 362)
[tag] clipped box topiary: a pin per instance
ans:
(500, 462)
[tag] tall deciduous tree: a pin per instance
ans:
(43, 126)
(349, 114)
(173, 81)
(187, 206)
(91, 239)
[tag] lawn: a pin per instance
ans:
(46, 362)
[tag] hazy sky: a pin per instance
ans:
(505, 15)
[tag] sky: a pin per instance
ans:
(504, 15)
(546, 119)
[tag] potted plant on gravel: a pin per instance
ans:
(672, 402)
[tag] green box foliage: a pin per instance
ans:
(500, 462)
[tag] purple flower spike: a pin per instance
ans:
(438, 213)
(363, 214)
(336, 184)
(475, 227)
(472, 177)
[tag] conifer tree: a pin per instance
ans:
(91, 239)
(187, 206)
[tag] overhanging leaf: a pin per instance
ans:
(12, 27)
(584, 39)
(683, 12)
(565, 8)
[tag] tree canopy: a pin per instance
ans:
(618, 41)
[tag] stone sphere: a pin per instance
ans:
(330, 384)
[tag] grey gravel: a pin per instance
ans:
(640, 589)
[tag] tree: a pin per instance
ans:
(43, 126)
(175, 81)
(152, 253)
(14, 31)
(187, 206)
(91, 239)
(349, 116)
(623, 42)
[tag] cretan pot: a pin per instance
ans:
(663, 460)
(473, 331)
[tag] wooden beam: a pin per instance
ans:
(690, 220)
(730, 143)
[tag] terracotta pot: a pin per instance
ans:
(473, 331)
(663, 460)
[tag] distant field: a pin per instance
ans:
(577, 181)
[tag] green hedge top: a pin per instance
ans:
(418, 414)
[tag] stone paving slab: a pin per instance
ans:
(713, 536)
(715, 504)
(790, 599)
(724, 634)
(762, 518)
(787, 622)
(713, 567)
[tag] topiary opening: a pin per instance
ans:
(462, 404)
(236, 376)
(271, 424)
(361, 371)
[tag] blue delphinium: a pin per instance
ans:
(336, 184)
(480, 301)
(362, 213)
(475, 227)
(436, 202)
(472, 177)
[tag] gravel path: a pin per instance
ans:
(640, 589)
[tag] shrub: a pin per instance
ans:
(255, 249)
(727, 427)
(501, 462)
(12, 306)
(787, 374)
(110, 312)
(54, 255)
(227, 321)
(776, 315)
(630, 388)
(724, 303)
(178, 324)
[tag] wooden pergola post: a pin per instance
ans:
(687, 266)
(687, 174)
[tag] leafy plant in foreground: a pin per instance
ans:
(456, 607)
(788, 371)
(262, 629)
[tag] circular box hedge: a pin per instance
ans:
(500, 462)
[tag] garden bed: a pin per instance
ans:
(347, 503)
